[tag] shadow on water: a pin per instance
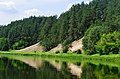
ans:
(35, 68)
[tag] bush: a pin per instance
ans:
(19, 45)
(109, 43)
(78, 51)
(93, 35)
(3, 44)
(66, 44)
(57, 52)
(65, 49)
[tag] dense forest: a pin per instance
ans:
(98, 22)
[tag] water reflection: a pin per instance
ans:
(35, 68)
(91, 71)
(13, 69)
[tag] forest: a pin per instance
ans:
(98, 23)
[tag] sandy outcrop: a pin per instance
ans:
(33, 48)
(58, 48)
(76, 45)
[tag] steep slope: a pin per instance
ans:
(74, 46)
(90, 21)
(57, 48)
(33, 48)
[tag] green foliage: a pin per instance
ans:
(79, 51)
(109, 43)
(66, 45)
(89, 40)
(100, 71)
(3, 44)
(19, 45)
(89, 20)
(26, 30)
(65, 49)
(47, 33)
(107, 21)
(94, 34)
(57, 52)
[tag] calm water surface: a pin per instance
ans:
(35, 68)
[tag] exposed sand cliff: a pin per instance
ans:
(35, 47)
(74, 46)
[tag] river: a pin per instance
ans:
(37, 68)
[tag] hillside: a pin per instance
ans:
(57, 48)
(98, 22)
(73, 47)
(32, 48)
(76, 45)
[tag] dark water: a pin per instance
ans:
(28, 68)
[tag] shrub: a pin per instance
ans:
(94, 34)
(57, 52)
(109, 43)
(78, 51)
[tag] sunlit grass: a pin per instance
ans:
(113, 59)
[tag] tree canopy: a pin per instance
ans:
(90, 21)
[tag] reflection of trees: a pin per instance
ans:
(48, 71)
(14, 69)
(65, 71)
(88, 72)
(91, 71)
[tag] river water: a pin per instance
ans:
(36, 68)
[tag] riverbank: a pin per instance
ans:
(113, 59)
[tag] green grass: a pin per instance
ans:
(113, 60)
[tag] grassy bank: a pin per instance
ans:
(113, 60)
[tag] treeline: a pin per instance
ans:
(103, 36)
(94, 21)
(49, 31)
(20, 34)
